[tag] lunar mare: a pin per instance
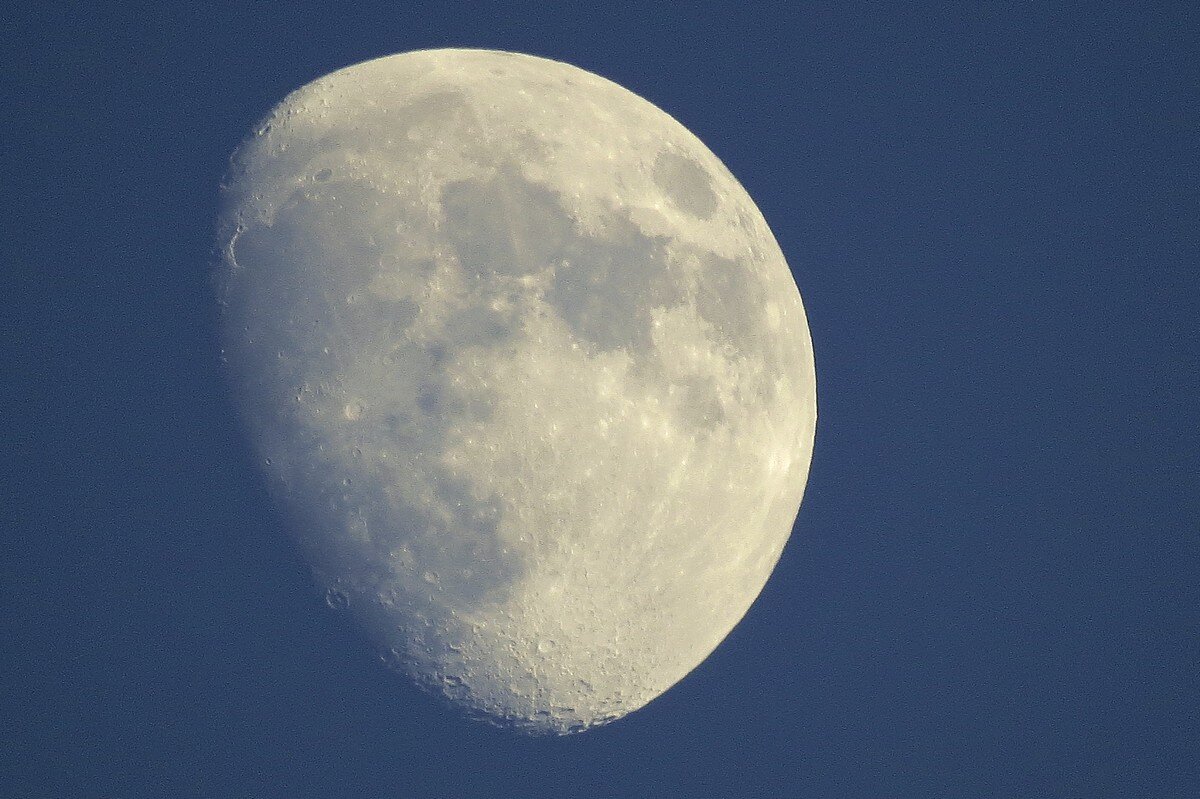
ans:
(527, 371)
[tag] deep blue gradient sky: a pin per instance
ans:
(992, 214)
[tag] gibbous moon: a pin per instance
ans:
(527, 371)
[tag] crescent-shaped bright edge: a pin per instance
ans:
(526, 369)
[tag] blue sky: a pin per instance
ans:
(991, 213)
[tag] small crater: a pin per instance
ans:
(337, 599)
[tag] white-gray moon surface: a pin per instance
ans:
(526, 370)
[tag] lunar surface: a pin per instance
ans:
(527, 371)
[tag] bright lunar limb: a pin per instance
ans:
(527, 370)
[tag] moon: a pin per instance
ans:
(526, 371)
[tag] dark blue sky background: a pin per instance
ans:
(992, 212)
